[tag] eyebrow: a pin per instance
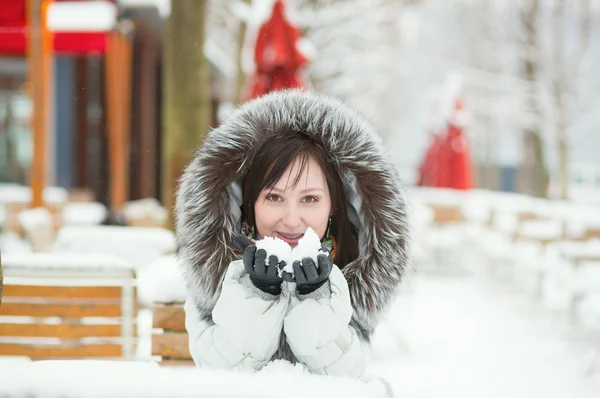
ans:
(277, 190)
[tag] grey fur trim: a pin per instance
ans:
(207, 221)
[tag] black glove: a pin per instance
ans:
(263, 275)
(308, 277)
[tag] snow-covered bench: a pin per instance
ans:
(67, 306)
(574, 277)
(161, 288)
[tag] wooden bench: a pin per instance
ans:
(171, 343)
(447, 214)
(65, 311)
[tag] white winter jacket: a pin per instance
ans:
(248, 326)
(233, 324)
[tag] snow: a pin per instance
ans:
(14, 193)
(84, 213)
(471, 337)
(546, 229)
(276, 247)
(10, 242)
(138, 245)
(145, 208)
(87, 16)
(30, 219)
(62, 260)
(99, 379)
(309, 246)
(162, 281)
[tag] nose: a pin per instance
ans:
(292, 218)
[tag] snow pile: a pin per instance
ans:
(148, 208)
(10, 242)
(62, 260)
(95, 379)
(162, 281)
(31, 219)
(84, 213)
(20, 194)
(309, 246)
(541, 229)
(138, 245)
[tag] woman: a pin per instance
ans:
(282, 163)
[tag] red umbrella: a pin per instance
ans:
(276, 57)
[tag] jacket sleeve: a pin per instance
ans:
(244, 329)
(318, 330)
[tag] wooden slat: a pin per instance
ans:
(64, 331)
(171, 345)
(447, 214)
(592, 233)
(60, 310)
(528, 216)
(47, 292)
(176, 362)
(52, 351)
(169, 317)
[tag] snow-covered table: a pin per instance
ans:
(99, 379)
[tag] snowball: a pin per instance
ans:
(308, 246)
(275, 247)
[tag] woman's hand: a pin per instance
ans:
(264, 275)
(308, 276)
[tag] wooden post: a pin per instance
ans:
(39, 62)
(118, 107)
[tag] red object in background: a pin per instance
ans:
(429, 167)
(459, 160)
(276, 57)
(13, 34)
(447, 162)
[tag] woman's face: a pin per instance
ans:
(285, 211)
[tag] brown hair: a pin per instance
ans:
(271, 162)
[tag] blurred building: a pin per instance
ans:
(78, 148)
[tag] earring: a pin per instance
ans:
(328, 231)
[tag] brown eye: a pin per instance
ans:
(310, 199)
(273, 197)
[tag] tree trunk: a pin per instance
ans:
(186, 82)
(240, 77)
(534, 178)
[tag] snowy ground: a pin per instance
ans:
(465, 336)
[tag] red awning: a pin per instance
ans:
(13, 34)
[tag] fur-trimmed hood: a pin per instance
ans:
(209, 196)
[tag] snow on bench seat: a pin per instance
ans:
(138, 245)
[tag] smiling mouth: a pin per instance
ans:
(290, 237)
